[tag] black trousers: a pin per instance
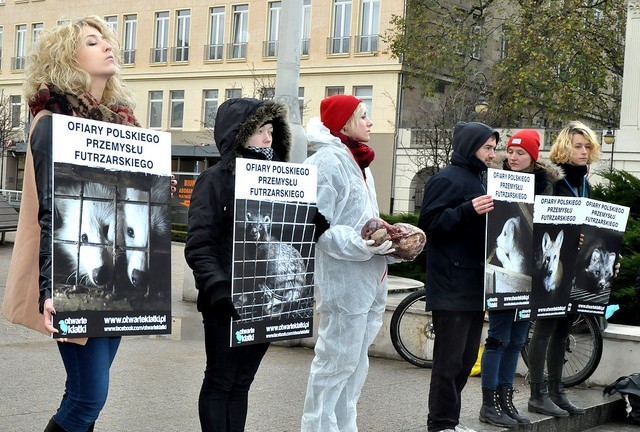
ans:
(549, 343)
(229, 373)
(455, 351)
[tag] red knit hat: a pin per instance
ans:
(335, 111)
(529, 140)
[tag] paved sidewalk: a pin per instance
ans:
(155, 384)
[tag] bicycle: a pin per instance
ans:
(412, 336)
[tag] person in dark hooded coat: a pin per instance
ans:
(248, 128)
(453, 218)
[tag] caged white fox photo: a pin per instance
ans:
(107, 237)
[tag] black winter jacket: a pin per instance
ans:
(209, 245)
(455, 232)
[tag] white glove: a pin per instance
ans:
(384, 248)
(616, 268)
(393, 259)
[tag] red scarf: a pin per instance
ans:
(362, 153)
(84, 105)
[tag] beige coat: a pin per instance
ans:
(20, 305)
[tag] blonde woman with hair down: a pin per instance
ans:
(73, 70)
(574, 150)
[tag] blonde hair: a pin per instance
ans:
(561, 148)
(52, 61)
(360, 110)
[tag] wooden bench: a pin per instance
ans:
(8, 218)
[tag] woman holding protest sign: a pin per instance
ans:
(73, 70)
(247, 128)
(506, 336)
(574, 150)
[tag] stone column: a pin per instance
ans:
(627, 144)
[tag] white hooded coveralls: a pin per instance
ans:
(351, 286)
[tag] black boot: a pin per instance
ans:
(559, 397)
(53, 427)
(490, 412)
(91, 426)
(505, 396)
(539, 402)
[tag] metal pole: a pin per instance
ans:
(288, 72)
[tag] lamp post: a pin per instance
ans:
(609, 137)
(479, 83)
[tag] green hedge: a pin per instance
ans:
(623, 188)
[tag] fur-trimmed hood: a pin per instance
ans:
(547, 173)
(238, 119)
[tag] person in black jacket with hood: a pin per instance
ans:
(453, 217)
(248, 128)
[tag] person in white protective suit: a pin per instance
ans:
(351, 273)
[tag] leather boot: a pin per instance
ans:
(490, 412)
(539, 402)
(505, 396)
(91, 427)
(53, 427)
(559, 397)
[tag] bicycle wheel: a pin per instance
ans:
(412, 330)
(583, 350)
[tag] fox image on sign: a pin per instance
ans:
(551, 263)
(509, 249)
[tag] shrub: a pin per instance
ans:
(623, 188)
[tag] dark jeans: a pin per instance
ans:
(229, 373)
(549, 343)
(455, 351)
(87, 384)
(502, 349)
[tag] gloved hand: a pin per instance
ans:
(616, 268)
(321, 224)
(384, 248)
(224, 311)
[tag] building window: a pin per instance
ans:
(161, 41)
(504, 47)
(210, 106)
(183, 26)
(368, 39)
(365, 94)
(15, 102)
(20, 47)
(267, 93)
(112, 23)
(306, 27)
(1, 32)
(35, 32)
(214, 50)
(301, 103)
(233, 93)
(129, 42)
(240, 24)
(476, 40)
(271, 44)
(339, 42)
(155, 109)
(332, 91)
(63, 21)
(177, 109)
